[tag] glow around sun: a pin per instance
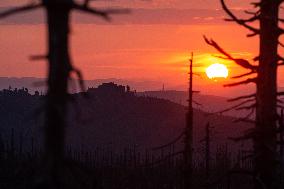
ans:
(217, 71)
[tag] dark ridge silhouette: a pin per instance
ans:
(114, 129)
(110, 114)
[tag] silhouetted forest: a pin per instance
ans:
(112, 139)
(110, 116)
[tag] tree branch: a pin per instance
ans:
(242, 97)
(243, 75)
(38, 57)
(239, 21)
(252, 19)
(17, 10)
(256, 4)
(234, 107)
(252, 13)
(80, 78)
(241, 62)
(280, 93)
(252, 106)
(250, 80)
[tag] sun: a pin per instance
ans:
(217, 71)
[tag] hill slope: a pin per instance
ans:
(112, 119)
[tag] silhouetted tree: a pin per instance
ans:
(59, 69)
(265, 99)
(188, 138)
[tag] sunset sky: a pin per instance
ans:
(152, 43)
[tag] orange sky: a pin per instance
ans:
(138, 51)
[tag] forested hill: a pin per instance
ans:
(110, 117)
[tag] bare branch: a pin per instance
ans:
(252, 19)
(280, 19)
(241, 62)
(239, 21)
(245, 64)
(234, 107)
(280, 101)
(38, 57)
(221, 57)
(17, 10)
(281, 44)
(252, 106)
(280, 57)
(280, 31)
(256, 4)
(252, 13)
(217, 47)
(280, 93)
(242, 97)
(252, 34)
(243, 75)
(80, 78)
(86, 3)
(256, 58)
(250, 80)
(280, 106)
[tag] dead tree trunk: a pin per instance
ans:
(59, 68)
(265, 135)
(188, 147)
(265, 143)
(281, 147)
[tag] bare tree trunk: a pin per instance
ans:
(58, 13)
(188, 140)
(58, 73)
(265, 135)
(266, 96)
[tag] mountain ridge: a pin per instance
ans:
(114, 117)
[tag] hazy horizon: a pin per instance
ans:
(144, 45)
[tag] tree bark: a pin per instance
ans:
(266, 97)
(58, 74)
(188, 140)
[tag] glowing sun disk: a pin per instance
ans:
(217, 71)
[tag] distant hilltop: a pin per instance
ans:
(112, 116)
(110, 88)
(207, 103)
(39, 84)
